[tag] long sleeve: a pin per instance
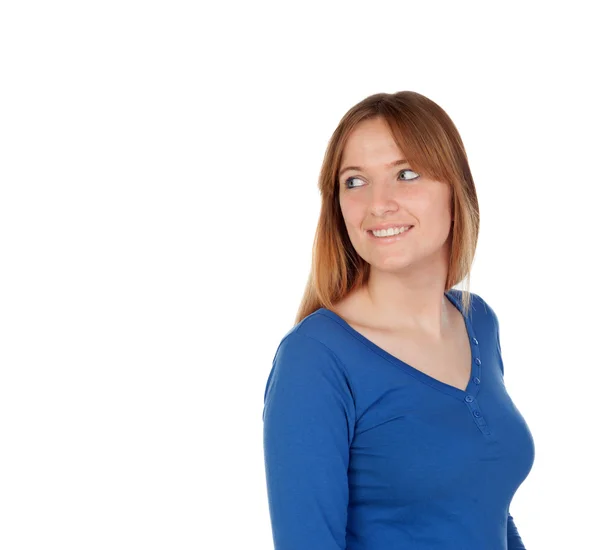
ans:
(512, 534)
(308, 422)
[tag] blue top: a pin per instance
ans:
(364, 452)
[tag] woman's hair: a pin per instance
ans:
(433, 147)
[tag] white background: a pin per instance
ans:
(158, 171)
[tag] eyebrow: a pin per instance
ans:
(358, 168)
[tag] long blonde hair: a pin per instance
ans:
(432, 145)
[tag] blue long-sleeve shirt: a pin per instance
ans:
(364, 452)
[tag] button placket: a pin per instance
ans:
(469, 395)
(476, 413)
(476, 377)
(471, 400)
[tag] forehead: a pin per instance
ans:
(371, 142)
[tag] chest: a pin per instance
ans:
(448, 361)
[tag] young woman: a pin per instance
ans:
(387, 424)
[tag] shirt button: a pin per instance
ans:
(475, 340)
(477, 360)
(476, 380)
(476, 414)
(469, 398)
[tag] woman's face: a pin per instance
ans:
(374, 192)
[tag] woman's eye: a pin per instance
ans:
(348, 186)
(349, 180)
(409, 170)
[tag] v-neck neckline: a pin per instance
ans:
(468, 394)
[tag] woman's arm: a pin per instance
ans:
(308, 422)
(512, 535)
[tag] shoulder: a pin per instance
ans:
(312, 350)
(327, 328)
(317, 332)
(481, 311)
(309, 345)
(479, 305)
(484, 308)
(303, 340)
(306, 371)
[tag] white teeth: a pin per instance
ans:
(391, 231)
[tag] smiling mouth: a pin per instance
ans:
(389, 237)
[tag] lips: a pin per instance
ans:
(370, 231)
(389, 226)
(389, 238)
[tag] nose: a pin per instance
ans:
(383, 197)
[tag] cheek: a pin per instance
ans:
(351, 214)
